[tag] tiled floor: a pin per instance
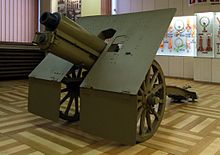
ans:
(187, 128)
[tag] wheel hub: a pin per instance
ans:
(153, 100)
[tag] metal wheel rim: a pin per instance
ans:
(151, 102)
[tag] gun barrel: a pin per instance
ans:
(64, 24)
(68, 40)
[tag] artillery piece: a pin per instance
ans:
(108, 62)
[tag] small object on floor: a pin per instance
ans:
(178, 94)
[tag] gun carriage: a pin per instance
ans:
(102, 71)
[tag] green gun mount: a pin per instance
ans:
(107, 61)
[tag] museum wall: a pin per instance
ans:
(54, 5)
(91, 7)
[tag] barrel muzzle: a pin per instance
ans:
(50, 20)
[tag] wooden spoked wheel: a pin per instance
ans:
(151, 103)
(70, 93)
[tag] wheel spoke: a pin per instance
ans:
(73, 73)
(142, 122)
(64, 90)
(144, 86)
(147, 80)
(79, 72)
(142, 91)
(153, 79)
(157, 88)
(65, 80)
(65, 98)
(140, 111)
(139, 98)
(68, 76)
(69, 105)
(139, 104)
(76, 105)
(155, 114)
(148, 121)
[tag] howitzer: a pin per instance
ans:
(110, 64)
